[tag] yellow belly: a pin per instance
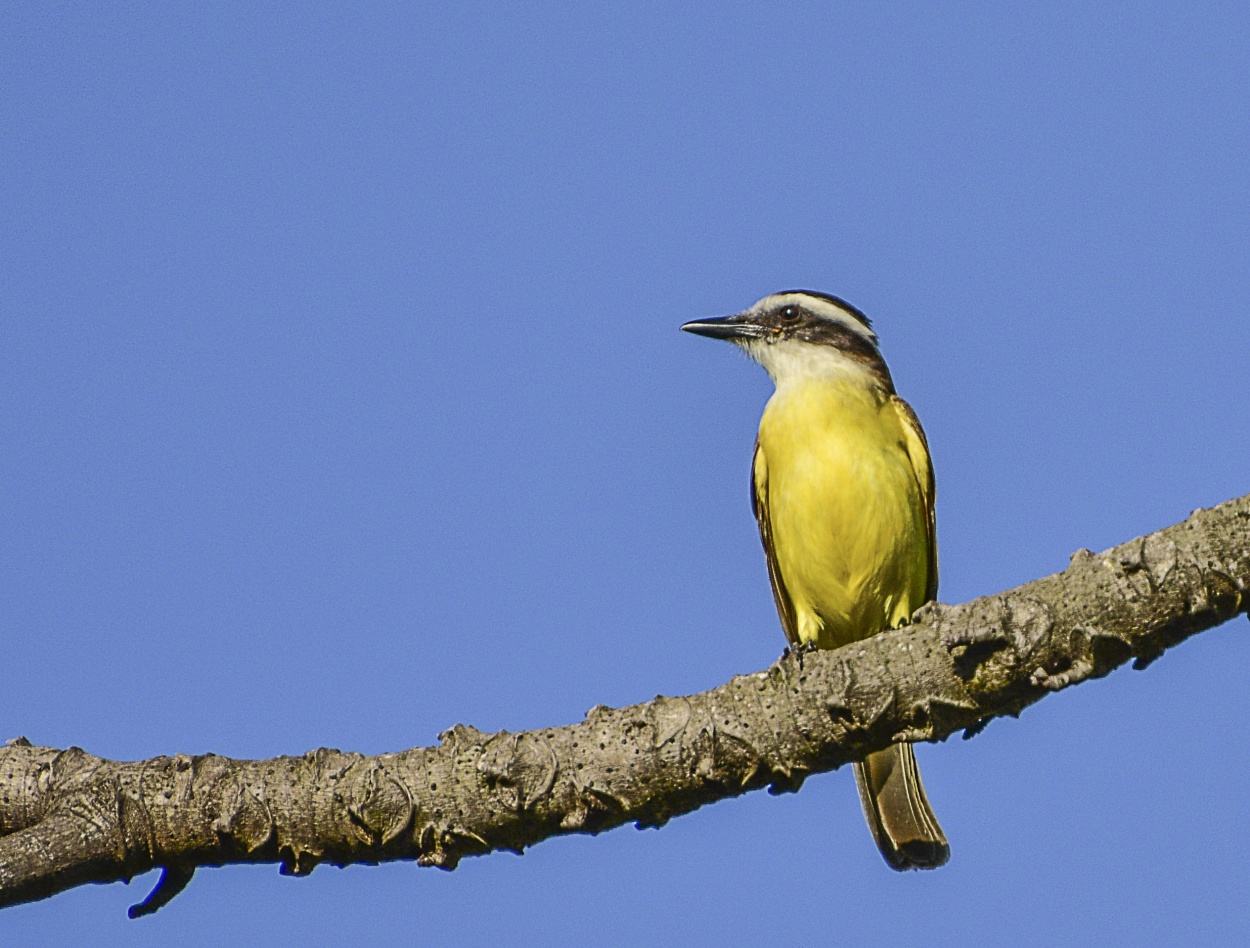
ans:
(846, 513)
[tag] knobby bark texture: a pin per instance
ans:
(67, 817)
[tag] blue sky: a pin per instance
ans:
(343, 400)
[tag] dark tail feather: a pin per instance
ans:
(898, 813)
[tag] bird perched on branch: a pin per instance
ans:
(843, 491)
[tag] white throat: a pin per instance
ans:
(789, 361)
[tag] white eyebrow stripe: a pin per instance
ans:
(820, 307)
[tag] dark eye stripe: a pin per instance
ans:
(836, 301)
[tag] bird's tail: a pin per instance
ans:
(898, 812)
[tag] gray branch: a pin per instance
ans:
(67, 817)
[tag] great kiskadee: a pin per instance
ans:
(843, 491)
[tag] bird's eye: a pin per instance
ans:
(790, 314)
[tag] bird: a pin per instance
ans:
(842, 488)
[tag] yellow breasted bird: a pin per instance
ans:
(843, 490)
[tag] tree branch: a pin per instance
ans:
(67, 817)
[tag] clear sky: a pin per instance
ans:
(343, 400)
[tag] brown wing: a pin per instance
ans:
(759, 507)
(918, 451)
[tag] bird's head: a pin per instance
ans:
(800, 333)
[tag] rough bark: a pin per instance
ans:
(67, 817)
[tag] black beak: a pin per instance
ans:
(739, 326)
